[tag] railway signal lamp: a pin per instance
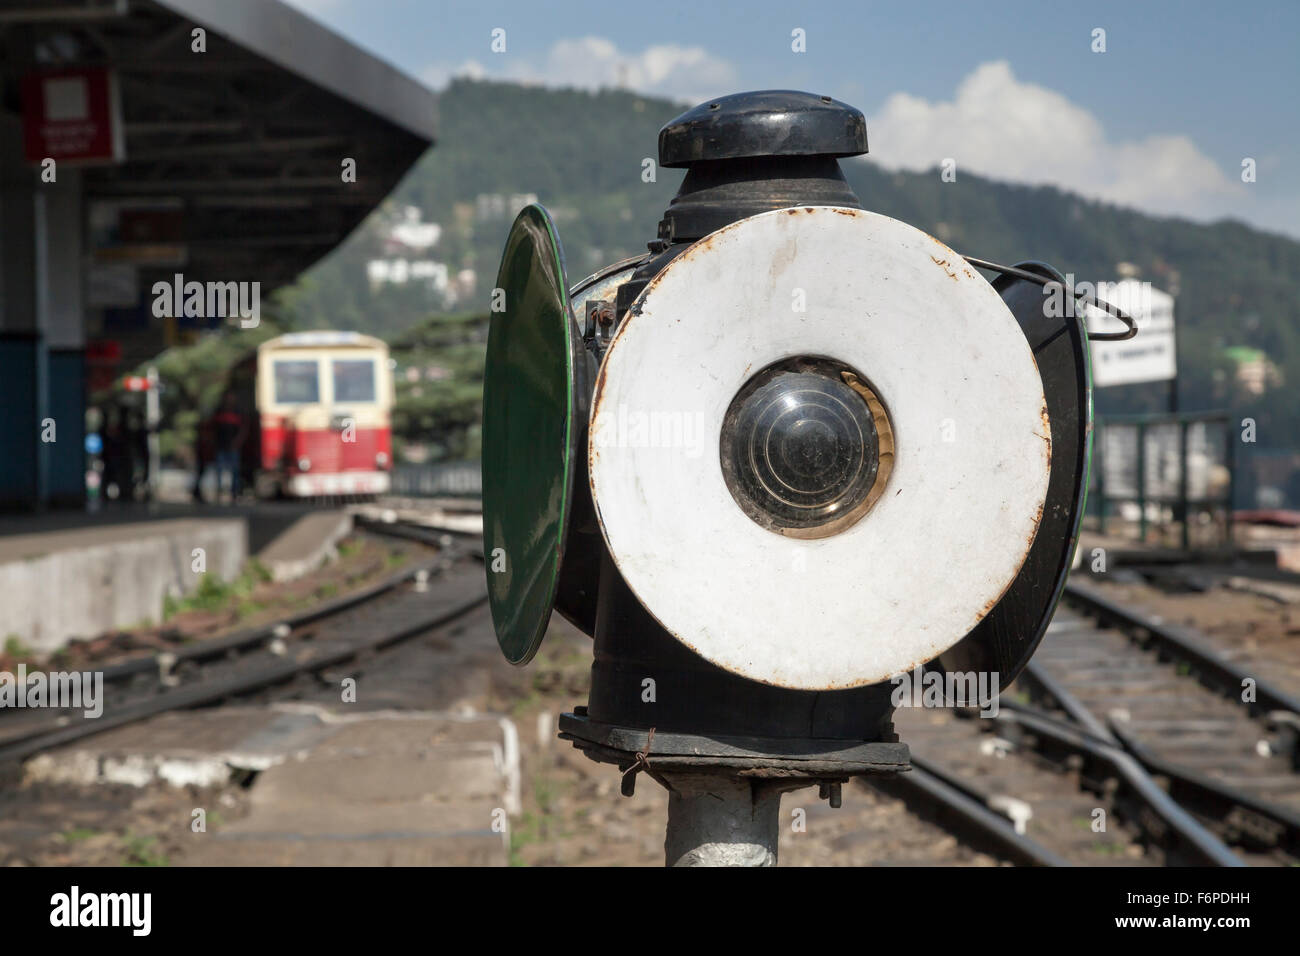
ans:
(797, 450)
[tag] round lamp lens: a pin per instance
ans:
(801, 452)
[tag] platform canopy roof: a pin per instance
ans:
(248, 138)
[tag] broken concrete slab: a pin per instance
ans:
(306, 544)
(181, 748)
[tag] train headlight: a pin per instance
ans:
(381, 459)
(304, 464)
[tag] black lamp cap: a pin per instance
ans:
(763, 123)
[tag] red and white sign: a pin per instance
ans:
(72, 116)
(135, 383)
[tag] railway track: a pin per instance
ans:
(1118, 712)
(1006, 800)
(1221, 740)
(1126, 742)
(429, 596)
(1145, 720)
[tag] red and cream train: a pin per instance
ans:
(321, 424)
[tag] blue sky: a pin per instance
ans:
(1162, 120)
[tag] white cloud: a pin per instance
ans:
(438, 74)
(687, 73)
(1000, 127)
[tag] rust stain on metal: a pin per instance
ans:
(593, 456)
(598, 387)
(703, 245)
(994, 602)
(943, 264)
(597, 400)
(1029, 544)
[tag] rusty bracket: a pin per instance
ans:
(599, 328)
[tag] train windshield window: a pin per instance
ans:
(354, 380)
(296, 382)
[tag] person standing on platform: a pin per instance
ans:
(117, 457)
(230, 430)
(204, 453)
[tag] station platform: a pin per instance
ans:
(334, 786)
(77, 574)
(264, 520)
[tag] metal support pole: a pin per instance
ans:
(1142, 481)
(1230, 459)
(719, 820)
(1185, 510)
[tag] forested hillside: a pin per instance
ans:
(582, 155)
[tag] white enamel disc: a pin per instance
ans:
(962, 503)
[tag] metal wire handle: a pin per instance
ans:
(1086, 298)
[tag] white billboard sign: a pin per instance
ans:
(1149, 355)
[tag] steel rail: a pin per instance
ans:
(252, 636)
(423, 534)
(1051, 688)
(1177, 832)
(1246, 819)
(964, 816)
(197, 694)
(1206, 662)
